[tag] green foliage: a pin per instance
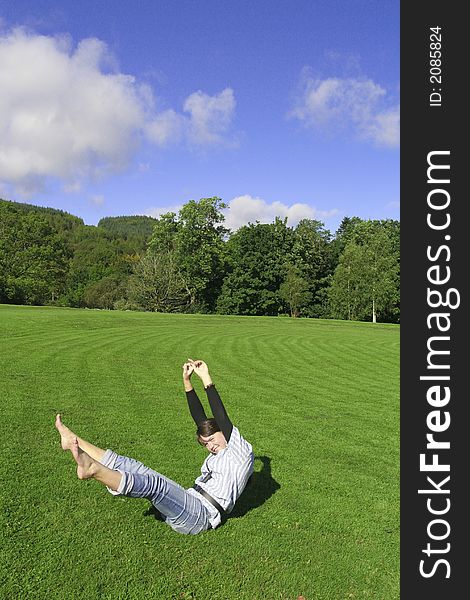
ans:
(196, 237)
(33, 257)
(190, 262)
(164, 235)
(311, 255)
(365, 284)
(104, 293)
(343, 235)
(98, 255)
(136, 228)
(295, 291)
(59, 220)
(200, 249)
(157, 284)
(257, 254)
(64, 260)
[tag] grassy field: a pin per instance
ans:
(319, 401)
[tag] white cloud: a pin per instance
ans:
(384, 128)
(72, 187)
(166, 128)
(206, 123)
(247, 209)
(156, 212)
(210, 116)
(60, 115)
(355, 105)
(68, 113)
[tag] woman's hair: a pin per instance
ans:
(206, 428)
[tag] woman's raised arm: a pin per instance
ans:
(217, 407)
(194, 404)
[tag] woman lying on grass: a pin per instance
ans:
(224, 473)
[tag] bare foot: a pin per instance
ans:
(86, 466)
(66, 436)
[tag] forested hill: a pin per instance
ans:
(59, 219)
(127, 227)
(137, 226)
(189, 262)
(49, 256)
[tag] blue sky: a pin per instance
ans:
(286, 108)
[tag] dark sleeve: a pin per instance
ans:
(195, 407)
(219, 412)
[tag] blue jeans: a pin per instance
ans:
(183, 511)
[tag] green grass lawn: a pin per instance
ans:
(319, 401)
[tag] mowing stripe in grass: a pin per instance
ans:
(317, 399)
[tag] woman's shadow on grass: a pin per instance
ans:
(259, 488)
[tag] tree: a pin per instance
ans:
(365, 284)
(344, 234)
(164, 234)
(200, 243)
(196, 236)
(257, 255)
(33, 258)
(191, 263)
(97, 255)
(295, 291)
(311, 255)
(157, 283)
(104, 293)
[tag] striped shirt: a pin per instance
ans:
(230, 470)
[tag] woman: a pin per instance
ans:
(224, 472)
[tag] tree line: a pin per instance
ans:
(190, 262)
